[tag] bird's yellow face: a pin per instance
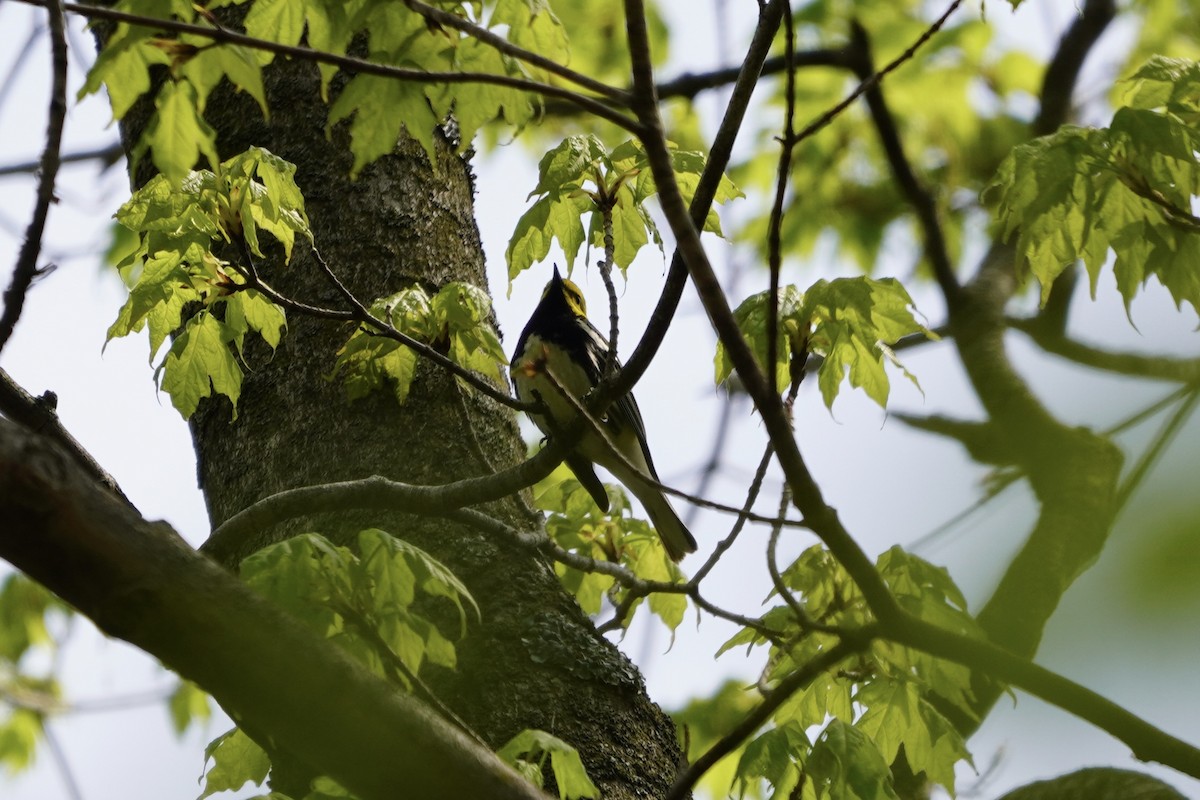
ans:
(573, 296)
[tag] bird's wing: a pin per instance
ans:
(624, 413)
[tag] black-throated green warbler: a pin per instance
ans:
(558, 351)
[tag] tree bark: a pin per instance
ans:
(535, 661)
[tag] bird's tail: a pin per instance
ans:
(676, 538)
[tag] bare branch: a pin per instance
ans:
(1182, 370)
(26, 269)
(818, 516)
(921, 199)
(37, 414)
(106, 156)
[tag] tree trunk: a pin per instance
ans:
(535, 661)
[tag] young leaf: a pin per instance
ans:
(776, 756)
(20, 733)
(178, 134)
(580, 177)
(381, 109)
(577, 524)
(188, 704)
(237, 760)
(849, 321)
(846, 765)
(1080, 192)
(532, 747)
(200, 363)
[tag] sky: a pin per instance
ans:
(889, 484)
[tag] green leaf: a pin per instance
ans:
(477, 104)
(383, 553)
(123, 68)
(552, 217)
(897, 715)
(532, 746)
(303, 574)
(23, 608)
(381, 109)
(240, 65)
(579, 173)
(250, 311)
(19, 736)
(237, 760)
(200, 363)
(178, 134)
(576, 524)
(776, 756)
(854, 321)
(279, 21)
(188, 704)
(1129, 188)
(846, 765)
(751, 317)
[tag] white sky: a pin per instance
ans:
(1143, 658)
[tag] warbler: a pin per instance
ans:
(560, 346)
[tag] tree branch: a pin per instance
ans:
(358, 66)
(106, 156)
(26, 269)
(918, 196)
(37, 415)
(139, 581)
(706, 190)
(818, 516)
(1180, 370)
(502, 45)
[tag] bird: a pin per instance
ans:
(560, 346)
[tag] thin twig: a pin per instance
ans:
(107, 155)
(26, 269)
(775, 221)
(638, 587)
(1152, 454)
(59, 756)
(361, 314)
(830, 115)
(918, 196)
(769, 21)
(751, 496)
(610, 360)
(818, 515)
(600, 431)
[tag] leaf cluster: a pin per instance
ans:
(579, 178)
(575, 523)
(173, 266)
(1081, 193)
(27, 689)
(378, 108)
(850, 323)
(456, 321)
(886, 700)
